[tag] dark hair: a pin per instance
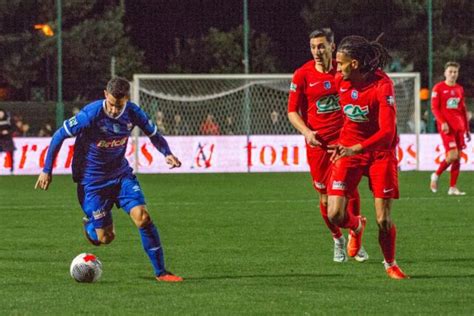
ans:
(452, 64)
(371, 55)
(325, 31)
(118, 87)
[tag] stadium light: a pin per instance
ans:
(46, 29)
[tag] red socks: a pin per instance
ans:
(335, 231)
(442, 166)
(455, 167)
(387, 243)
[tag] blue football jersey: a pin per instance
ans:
(101, 140)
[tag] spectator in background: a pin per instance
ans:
(46, 131)
(276, 124)
(228, 128)
(470, 120)
(6, 139)
(210, 126)
(75, 110)
(21, 128)
(180, 127)
(160, 122)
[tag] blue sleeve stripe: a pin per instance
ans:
(154, 132)
(67, 130)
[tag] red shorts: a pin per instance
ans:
(381, 167)
(453, 140)
(320, 167)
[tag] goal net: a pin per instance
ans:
(242, 104)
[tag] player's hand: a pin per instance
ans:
(310, 137)
(445, 128)
(468, 136)
(173, 161)
(44, 180)
(339, 151)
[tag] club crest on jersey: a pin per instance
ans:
(452, 103)
(327, 85)
(357, 113)
(293, 86)
(116, 128)
(328, 104)
(390, 100)
(354, 94)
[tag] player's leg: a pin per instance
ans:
(353, 206)
(383, 181)
(346, 175)
(320, 168)
(455, 156)
(387, 237)
(131, 199)
(97, 206)
(449, 143)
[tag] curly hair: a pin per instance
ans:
(371, 55)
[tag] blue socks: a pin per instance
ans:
(91, 231)
(152, 246)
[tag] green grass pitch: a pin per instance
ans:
(245, 243)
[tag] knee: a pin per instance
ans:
(384, 223)
(140, 217)
(452, 157)
(335, 215)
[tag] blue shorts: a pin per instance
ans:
(97, 199)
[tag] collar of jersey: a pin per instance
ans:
(118, 116)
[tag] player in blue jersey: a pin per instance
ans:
(102, 173)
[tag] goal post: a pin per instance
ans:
(239, 104)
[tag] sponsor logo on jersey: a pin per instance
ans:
(354, 94)
(312, 84)
(98, 214)
(136, 188)
(327, 85)
(343, 90)
(319, 185)
(114, 143)
(452, 103)
(357, 113)
(328, 104)
(72, 121)
(387, 190)
(338, 185)
(293, 86)
(390, 100)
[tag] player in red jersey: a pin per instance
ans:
(314, 110)
(447, 104)
(366, 144)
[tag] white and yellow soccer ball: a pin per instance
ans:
(86, 268)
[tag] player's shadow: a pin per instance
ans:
(257, 276)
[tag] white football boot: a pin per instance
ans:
(340, 252)
(455, 191)
(362, 255)
(434, 182)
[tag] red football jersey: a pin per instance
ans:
(447, 104)
(369, 113)
(314, 95)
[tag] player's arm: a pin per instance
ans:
(70, 128)
(462, 104)
(160, 143)
(295, 99)
(436, 110)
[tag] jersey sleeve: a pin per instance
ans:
(436, 105)
(142, 120)
(77, 123)
(387, 119)
(296, 94)
(462, 105)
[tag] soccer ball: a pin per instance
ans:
(86, 267)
